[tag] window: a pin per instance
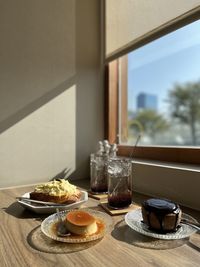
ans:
(154, 91)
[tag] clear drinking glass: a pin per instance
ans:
(98, 174)
(119, 182)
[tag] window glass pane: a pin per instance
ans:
(164, 90)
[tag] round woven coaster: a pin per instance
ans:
(39, 241)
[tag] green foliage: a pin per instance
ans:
(184, 103)
(150, 122)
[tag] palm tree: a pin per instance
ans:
(150, 122)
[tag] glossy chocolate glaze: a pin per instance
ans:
(161, 205)
(160, 208)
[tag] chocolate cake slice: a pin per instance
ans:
(161, 215)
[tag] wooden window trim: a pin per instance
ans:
(123, 107)
(188, 155)
(112, 102)
(168, 154)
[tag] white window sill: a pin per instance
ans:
(179, 182)
(169, 165)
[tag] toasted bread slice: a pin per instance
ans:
(58, 191)
(64, 199)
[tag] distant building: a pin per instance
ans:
(147, 101)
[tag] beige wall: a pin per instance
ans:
(51, 95)
(128, 20)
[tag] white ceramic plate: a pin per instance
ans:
(104, 225)
(134, 220)
(41, 209)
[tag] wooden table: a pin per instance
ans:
(122, 247)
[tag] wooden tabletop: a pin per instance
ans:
(20, 243)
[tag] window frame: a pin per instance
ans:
(189, 155)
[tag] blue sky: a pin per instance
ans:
(156, 67)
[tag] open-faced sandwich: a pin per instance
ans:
(57, 191)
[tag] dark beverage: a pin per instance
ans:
(99, 188)
(98, 174)
(122, 200)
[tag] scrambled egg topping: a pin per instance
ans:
(56, 188)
